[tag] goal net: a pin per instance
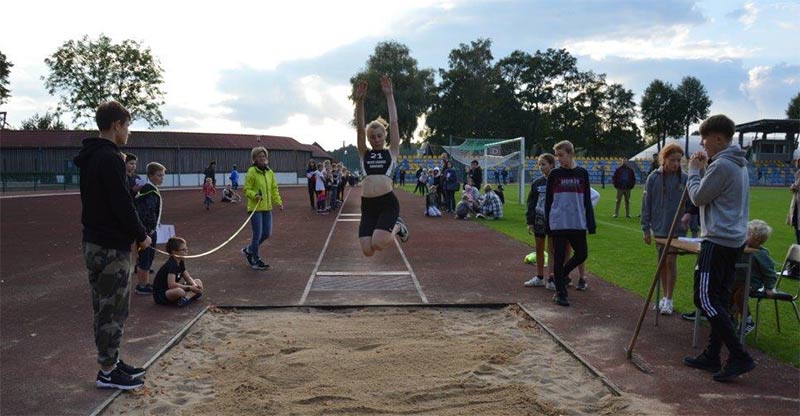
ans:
(502, 160)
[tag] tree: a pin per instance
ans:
(693, 102)
(793, 111)
(472, 99)
(5, 71)
(45, 122)
(89, 72)
(661, 113)
(620, 136)
(413, 87)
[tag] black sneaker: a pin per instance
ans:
(734, 368)
(133, 372)
(560, 300)
(117, 379)
(703, 362)
(582, 285)
(260, 265)
(402, 231)
(144, 289)
(248, 256)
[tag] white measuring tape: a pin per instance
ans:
(194, 256)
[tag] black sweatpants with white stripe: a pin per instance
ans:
(714, 277)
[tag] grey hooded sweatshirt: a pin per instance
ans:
(661, 198)
(722, 193)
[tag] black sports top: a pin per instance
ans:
(378, 162)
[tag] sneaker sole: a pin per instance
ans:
(746, 370)
(700, 367)
(103, 385)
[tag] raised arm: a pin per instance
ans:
(394, 130)
(361, 134)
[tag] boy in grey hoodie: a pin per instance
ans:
(722, 193)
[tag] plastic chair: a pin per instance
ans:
(792, 257)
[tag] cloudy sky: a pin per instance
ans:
(283, 67)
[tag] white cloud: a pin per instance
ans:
(771, 87)
(662, 43)
(749, 16)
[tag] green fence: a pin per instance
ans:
(38, 181)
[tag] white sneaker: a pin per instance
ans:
(535, 281)
(666, 309)
(660, 304)
(551, 285)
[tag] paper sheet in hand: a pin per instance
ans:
(697, 240)
(165, 232)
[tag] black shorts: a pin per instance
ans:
(379, 213)
(160, 297)
(539, 226)
(146, 256)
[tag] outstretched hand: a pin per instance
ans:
(386, 85)
(361, 91)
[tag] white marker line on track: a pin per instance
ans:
(322, 254)
(349, 219)
(350, 215)
(402, 273)
(413, 275)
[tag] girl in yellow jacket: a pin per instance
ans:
(261, 191)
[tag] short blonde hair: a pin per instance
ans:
(257, 151)
(155, 167)
(566, 146)
(487, 188)
(759, 230)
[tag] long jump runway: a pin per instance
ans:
(343, 275)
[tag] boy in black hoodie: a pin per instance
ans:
(110, 226)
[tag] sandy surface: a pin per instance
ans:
(373, 361)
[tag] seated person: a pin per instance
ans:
(463, 209)
(167, 289)
(432, 203)
(230, 195)
(762, 270)
(491, 207)
(471, 193)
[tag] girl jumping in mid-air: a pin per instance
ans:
(380, 210)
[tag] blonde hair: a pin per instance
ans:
(566, 146)
(378, 123)
(759, 230)
(155, 167)
(257, 151)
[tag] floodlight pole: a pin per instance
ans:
(521, 178)
(485, 165)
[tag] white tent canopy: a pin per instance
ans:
(694, 145)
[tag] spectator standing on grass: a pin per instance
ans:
(569, 213)
(450, 184)
(149, 208)
(439, 184)
(793, 218)
(167, 286)
(261, 191)
(719, 186)
(537, 221)
(661, 198)
(110, 227)
(211, 172)
(624, 180)
(504, 174)
(234, 178)
(476, 174)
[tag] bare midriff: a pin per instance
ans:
(376, 185)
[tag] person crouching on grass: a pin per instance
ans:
(167, 286)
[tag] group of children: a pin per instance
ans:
(326, 183)
(172, 285)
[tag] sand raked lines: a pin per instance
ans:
(358, 280)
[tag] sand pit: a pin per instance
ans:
(431, 361)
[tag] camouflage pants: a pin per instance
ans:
(110, 279)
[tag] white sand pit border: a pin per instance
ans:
(420, 359)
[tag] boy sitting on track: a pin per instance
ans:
(167, 289)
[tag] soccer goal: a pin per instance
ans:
(495, 156)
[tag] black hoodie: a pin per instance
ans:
(108, 215)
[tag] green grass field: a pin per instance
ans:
(618, 255)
